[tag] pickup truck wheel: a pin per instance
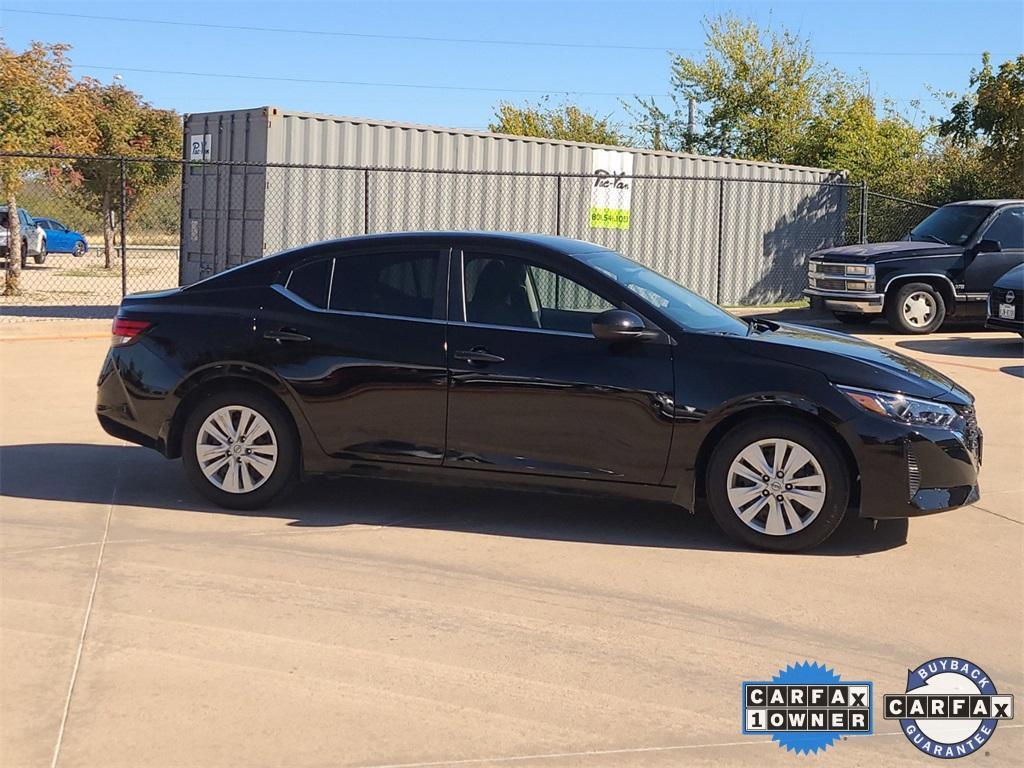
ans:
(853, 318)
(40, 258)
(24, 253)
(915, 308)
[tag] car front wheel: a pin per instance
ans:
(915, 308)
(239, 449)
(79, 249)
(777, 484)
(40, 258)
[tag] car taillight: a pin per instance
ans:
(126, 331)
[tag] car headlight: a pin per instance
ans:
(909, 410)
(860, 269)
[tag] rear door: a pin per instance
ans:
(359, 336)
(533, 391)
(1007, 228)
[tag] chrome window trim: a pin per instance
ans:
(301, 302)
(546, 331)
(330, 281)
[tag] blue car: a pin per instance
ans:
(60, 239)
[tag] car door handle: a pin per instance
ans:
(478, 356)
(285, 334)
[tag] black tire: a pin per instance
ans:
(40, 258)
(79, 249)
(805, 435)
(284, 434)
(24, 253)
(896, 304)
(853, 318)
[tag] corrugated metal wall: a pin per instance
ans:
(768, 223)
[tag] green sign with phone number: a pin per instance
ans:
(609, 218)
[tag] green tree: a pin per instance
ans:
(991, 118)
(845, 131)
(757, 87)
(128, 126)
(567, 122)
(38, 113)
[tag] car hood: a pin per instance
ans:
(1013, 280)
(845, 359)
(871, 252)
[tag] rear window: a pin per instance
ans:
(399, 284)
(309, 282)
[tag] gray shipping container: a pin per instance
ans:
(732, 230)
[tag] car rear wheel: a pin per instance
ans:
(853, 318)
(239, 449)
(79, 249)
(915, 308)
(777, 484)
(24, 253)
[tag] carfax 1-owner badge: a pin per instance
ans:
(807, 708)
(950, 708)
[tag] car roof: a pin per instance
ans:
(999, 202)
(564, 245)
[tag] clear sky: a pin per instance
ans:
(903, 48)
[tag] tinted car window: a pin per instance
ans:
(309, 282)
(951, 224)
(1008, 229)
(43, 223)
(503, 290)
(401, 284)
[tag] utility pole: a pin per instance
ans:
(691, 123)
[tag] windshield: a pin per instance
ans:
(951, 224)
(683, 306)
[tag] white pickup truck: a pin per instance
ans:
(33, 237)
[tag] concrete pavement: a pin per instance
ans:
(362, 624)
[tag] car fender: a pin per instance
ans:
(236, 370)
(689, 487)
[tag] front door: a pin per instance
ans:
(359, 337)
(1007, 228)
(533, 391)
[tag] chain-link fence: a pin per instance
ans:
(124, 225)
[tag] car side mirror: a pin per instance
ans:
(621, 325)
(988, 246)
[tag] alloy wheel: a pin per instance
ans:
(776, 487)
(919, 309)
(236, 449)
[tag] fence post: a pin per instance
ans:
(721, 210)
(558, 205)
(863, 211)
(366, 201)
(123, 208)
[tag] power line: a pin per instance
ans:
(278, 78)
(334, 33)
(466, 40)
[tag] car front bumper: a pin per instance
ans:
(915, 470)
(1002, 324)
(846, 301)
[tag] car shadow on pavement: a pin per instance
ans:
(959, 346)
(131, 476)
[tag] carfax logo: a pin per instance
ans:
(806, 708)
(950, 708)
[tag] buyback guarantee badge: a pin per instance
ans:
(950, 708)
(806, 708)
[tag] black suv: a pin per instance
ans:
(946, 265)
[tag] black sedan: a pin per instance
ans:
(1006, 302)
(516, 359)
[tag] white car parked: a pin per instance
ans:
(33, 237)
